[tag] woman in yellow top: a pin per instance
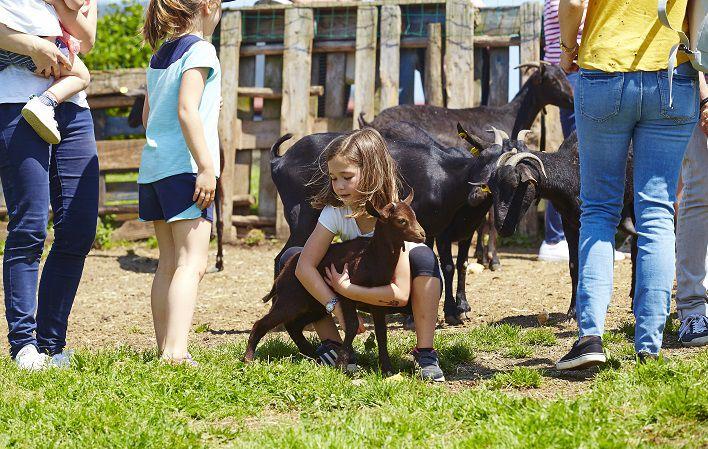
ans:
(622, 96)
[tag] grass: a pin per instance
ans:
(122, 398)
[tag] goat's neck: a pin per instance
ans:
(561, 183)
(383, 252)
(525, 107)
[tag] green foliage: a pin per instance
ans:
(104, 232)
(254, 237)
(2, 247)
(151, 242)
(118, 40)
(519, 377)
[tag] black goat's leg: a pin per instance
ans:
(492, 255)
(219, 266)
(295, 328)
(572, 236)
(633, 288)
(479, 252)
(452, 315)
(275, 316)
(463, 252)
(379, 317)
(351, 324)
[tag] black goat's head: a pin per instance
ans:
(398, 219)
(514, 187)
(550, 84)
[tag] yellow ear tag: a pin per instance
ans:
(475, 151)
(485, 189)
(463, 135)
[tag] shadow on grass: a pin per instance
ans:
(554, 319)
(137, 264)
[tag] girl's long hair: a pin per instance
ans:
(379, 181)
(165, 19)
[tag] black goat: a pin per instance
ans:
(523, 177)
(439, 178)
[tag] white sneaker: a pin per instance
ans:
(41, 118)
(619, 256)
(61, 360)
(557, 252)
(30, 359)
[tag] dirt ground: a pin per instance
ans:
(113, 305)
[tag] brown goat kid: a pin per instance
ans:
(371, 262)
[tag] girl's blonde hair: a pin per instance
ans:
(379, 181)
(166, 19)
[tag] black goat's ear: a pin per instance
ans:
(371, 210)
(526, 173)
(477, 144)
(409, 198)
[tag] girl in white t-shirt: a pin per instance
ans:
(360, 168)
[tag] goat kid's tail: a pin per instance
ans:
(362, 122)
(276, 146)
(271, 294)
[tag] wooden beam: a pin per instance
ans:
(433, 66)
(498, 76)
(365, 71)
(335, 85)
(120, 154)
(390, 55)
(255, 221)
(229, 126)
(111, 101)
(295, 107)
(268, 93)
(242, 179)
(112, 82)
(459, 54)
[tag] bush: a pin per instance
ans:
(118, 40)
(104, 232)
(254, 237)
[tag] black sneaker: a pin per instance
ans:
(327, 355)
(583, 354)
(427, 362)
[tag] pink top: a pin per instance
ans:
(551, 32)
(72, 43)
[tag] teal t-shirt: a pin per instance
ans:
(165, 152)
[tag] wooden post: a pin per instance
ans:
(336, 85)
(530, 15)
(365, 71)
(459, 53)
(294, 112)
(498, 76)
(390, 55)
(229, 126)
(433, 66)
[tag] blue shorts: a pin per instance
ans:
(170, 199)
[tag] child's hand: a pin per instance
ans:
(340, 282)
(205, 189)
(49, 2)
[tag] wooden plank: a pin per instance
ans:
(531, 15)
(229, 126)
(111, 101)
(269, 93)
(101, 189)
(259, 135)
(365, 71)
(295, 108)
(267, 193)
(480, 74)
(120, 154)
(433, 66)
(246, 78)
(252, 221)
(459, 54)
(273, 79)
(390, 55)
(134, 230)
(112, 82)
(242, 179)
(498, 76)
(335, 85)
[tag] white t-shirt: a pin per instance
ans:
(37, 18)
(34, 17)
(336, 221)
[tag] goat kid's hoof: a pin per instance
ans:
(453, 320)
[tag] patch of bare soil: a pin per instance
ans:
(113, 307)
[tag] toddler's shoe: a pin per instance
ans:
(41, 118)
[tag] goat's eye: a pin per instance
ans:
(402, 221)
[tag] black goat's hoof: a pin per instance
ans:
(409, 323)
(570, 315)
(463, 306)
(453, 320)
(495, 265)
(214, 269)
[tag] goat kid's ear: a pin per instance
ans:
(526, 174)
(409, 198)
(371, 210)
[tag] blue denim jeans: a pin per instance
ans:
(35, 174)
(554, 225)
(612, 109)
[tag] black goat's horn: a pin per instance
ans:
(499, 135)
(516, 158)
(522, 134)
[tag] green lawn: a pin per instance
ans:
(123, 398)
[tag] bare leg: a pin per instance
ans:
(425, 294)
(71, 81)
(161, 281)
(327, 330)
(191, 239)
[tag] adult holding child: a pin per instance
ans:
(36, 173)
(623, 95)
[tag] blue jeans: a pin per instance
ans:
(34, 174)
(554, 225)
(612, 109)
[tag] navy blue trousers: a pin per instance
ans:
(34, 175)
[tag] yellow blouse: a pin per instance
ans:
(626, 36)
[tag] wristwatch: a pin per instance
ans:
(329, 307)
(566, 49)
